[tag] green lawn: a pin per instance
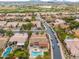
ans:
(19, 53)
(62, 35)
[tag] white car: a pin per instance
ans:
(53, 46)
(58, 44)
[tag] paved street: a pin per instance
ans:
(55, 47)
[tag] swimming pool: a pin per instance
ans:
(35, 54)
(6, 52)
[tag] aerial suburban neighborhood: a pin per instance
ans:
(39, 29)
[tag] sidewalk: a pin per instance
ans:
(51, 47)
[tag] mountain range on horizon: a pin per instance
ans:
(39, 0)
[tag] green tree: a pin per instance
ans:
(69, 19)
(26, 44)
(29, 33)
(26, 26)
(74, 24)
(46, 53)
(42, 32)
(9, 33)
(2, 31)
(29, 25)
(33, 18)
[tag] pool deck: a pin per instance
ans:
(33, 50)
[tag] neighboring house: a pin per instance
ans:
(39, 40)
(3, 41)
(37, 24)
(21, 23)
(18, 14)
(10, 18)
(3, 23)
(64, 26)
(73, 46)
(12, 24)
(27, 17)
(77, 20)
(47, 17)
(15, 16)
(76, 32)
(2, 17)
(38, 44)
(19, 38)
(58, 22)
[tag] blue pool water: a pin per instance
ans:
(37, 54)
(8, 50)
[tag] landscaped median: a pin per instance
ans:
(62, 35)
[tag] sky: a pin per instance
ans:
(42, 0)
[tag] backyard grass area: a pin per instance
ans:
(19, 53)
